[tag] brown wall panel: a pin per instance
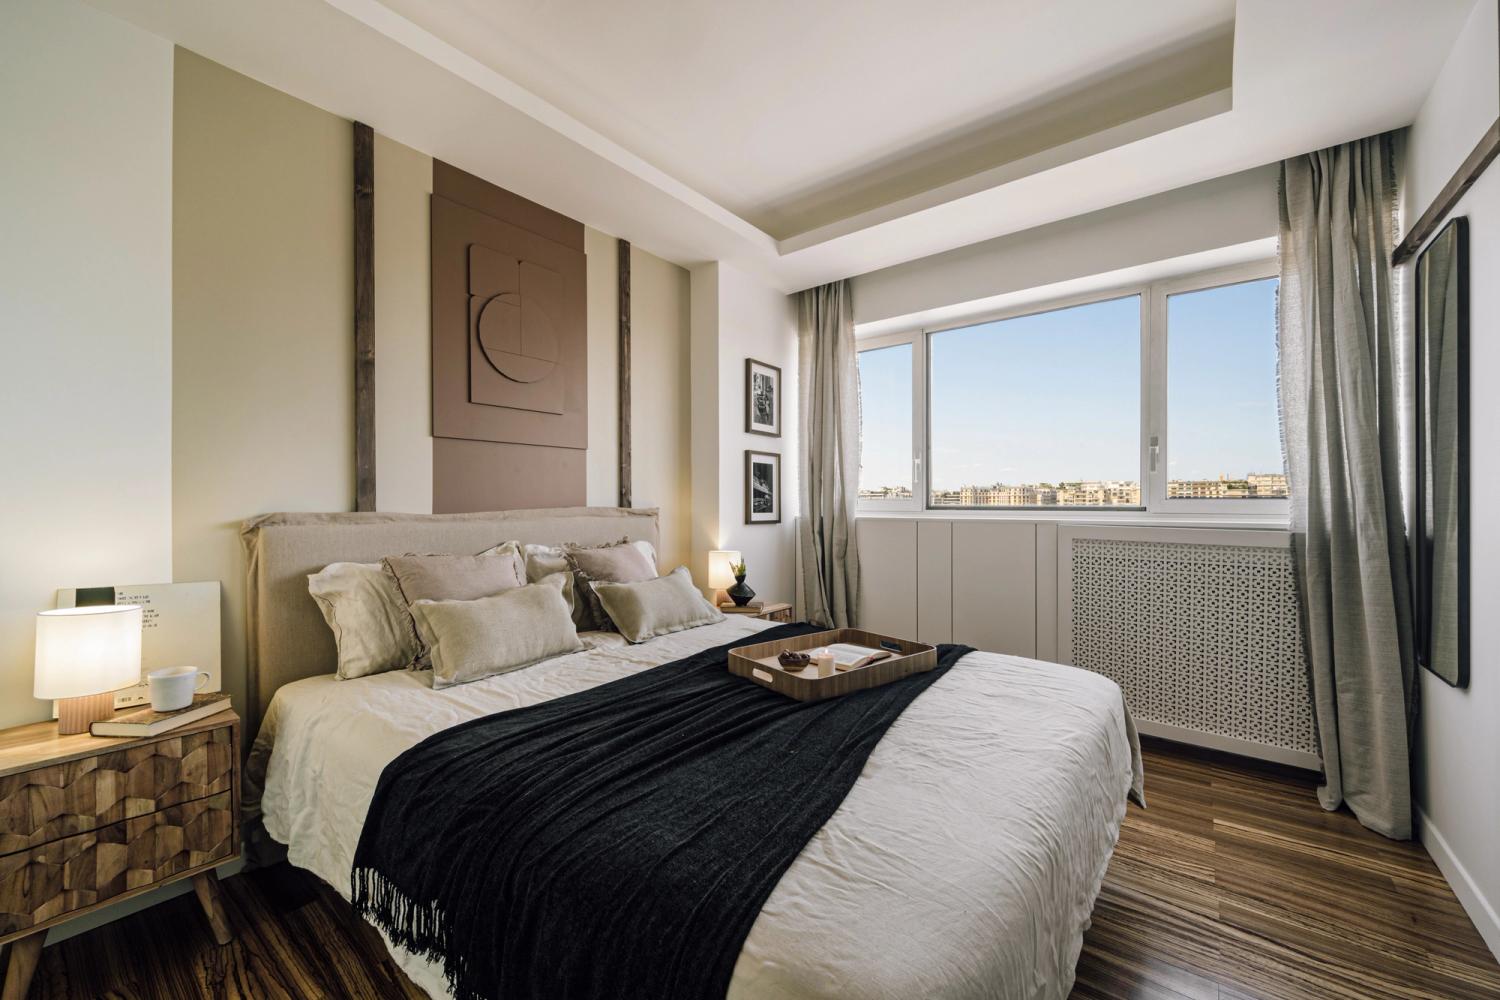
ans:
(490, 475)
(509, 350)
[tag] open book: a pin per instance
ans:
(848, 656)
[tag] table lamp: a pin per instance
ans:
(83, 656)
(721, 563)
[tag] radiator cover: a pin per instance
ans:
(1203, 638)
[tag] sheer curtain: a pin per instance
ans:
(1340, 403)
(828, 580)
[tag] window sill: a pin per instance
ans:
(1102, 518)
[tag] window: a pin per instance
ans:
(1158, 398)
(1225, 440)
(1042, 410)
(886, 467)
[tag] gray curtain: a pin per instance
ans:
(828, 374)
(1340, 399)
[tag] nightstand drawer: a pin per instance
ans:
(61, 800)
(46, 882)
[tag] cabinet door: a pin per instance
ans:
(887, 576)
(934, 569)
(994, 586)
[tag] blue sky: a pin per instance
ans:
(1056, 396)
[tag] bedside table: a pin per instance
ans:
(89, 820)
(770, 612)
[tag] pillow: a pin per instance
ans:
(622, 563)
(669, 603)
(588, 615)
(469, 640)
(370, 624)
(454, 578)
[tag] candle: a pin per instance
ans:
(824, 661)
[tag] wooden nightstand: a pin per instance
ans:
(87, 820)
(770, 612)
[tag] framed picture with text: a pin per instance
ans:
(762, 398)
(762, 487)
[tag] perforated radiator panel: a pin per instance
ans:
(1204, 637)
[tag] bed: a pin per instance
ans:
(964, 862)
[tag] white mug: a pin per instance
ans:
(172, 687)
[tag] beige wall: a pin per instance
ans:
(85, 316)
(263, 370)
(262, 376)
(403, 325)
(659, 387)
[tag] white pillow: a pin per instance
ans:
(650, 608)
(368, 618)
(470, 640)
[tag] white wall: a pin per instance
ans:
(735, 317)
(1458, 764)
(1224, 212)
(85, 316)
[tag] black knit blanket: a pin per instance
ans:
(614, 843)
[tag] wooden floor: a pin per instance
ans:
(1234, 884)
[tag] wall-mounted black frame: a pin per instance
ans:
(1442, 457)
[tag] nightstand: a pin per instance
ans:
(86, 821)
(770, 612)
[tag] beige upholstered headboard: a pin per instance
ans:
(288, 639)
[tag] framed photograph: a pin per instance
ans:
(762, 487)
(762, 398)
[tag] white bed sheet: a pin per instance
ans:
(964, 863)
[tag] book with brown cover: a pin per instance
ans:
(146, 721)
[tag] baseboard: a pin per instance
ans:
(1479, 909)
(1228, 744)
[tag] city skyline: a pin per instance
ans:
(1092, 492)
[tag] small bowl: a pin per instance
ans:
(792, 660)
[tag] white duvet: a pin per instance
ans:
(964, 862)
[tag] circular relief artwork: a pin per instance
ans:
(517, 338)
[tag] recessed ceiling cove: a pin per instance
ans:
(795, 116)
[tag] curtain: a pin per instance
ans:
(1339, 409)
(828, 576)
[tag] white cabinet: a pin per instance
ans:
(887, 575)
(994, 586)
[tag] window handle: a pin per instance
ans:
(1155, 450)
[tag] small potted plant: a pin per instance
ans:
(740, 593)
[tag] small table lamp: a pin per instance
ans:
(83, 656)
(721, 563)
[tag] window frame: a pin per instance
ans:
(1154, 432)
(916, 501)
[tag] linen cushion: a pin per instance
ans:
(370, 624)
(469, 640)
(588, 615)
(649, 608)
(453, 578)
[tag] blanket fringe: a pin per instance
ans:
(418, 927)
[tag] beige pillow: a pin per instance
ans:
(370, 624)
(544, 560)
(469, 640)
(454, 578)
(622, 563)
(650, 608)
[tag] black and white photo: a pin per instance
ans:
(762, 487)
(762, 398)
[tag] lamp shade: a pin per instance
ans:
(87, 651)
(720, 573)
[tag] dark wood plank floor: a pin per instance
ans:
(1233, 885)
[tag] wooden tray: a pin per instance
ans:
(757, 663)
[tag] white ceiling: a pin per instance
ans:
(811, 141)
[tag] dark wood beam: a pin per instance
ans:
(364, 317)
(1468, 172)
(624, 365)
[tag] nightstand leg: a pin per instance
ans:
(206, 886)
(24, 954)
